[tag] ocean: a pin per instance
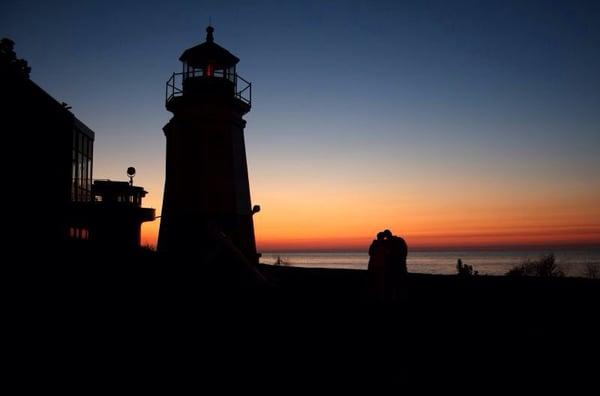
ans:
(571, 261)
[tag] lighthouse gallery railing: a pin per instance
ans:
(242, 88)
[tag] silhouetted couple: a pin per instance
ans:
(387, 266)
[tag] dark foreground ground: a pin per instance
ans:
(147, 323)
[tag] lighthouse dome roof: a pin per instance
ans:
(209, 52)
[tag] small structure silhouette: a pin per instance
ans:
(116, 214)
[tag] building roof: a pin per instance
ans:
(116, 187)
(209, 52)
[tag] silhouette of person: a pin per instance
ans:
(398, 252)
(395, 268)
(387, 267)
(378, 253)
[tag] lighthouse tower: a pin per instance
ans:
(207, 192)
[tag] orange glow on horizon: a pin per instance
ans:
(567, 236)
(342, 220)
(484, 239)
(324, 208)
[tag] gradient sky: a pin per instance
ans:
(453, 123)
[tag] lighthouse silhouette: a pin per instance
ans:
(207, 193)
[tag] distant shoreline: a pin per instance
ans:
(573, 262)
(524, 248)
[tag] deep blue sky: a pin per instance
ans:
(451, 93)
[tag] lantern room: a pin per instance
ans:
(208, 69)
(209, 60)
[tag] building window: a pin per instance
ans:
(79, 233)
(81, 171)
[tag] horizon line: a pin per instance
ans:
(504, 247)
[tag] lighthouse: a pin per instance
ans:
(207, 192)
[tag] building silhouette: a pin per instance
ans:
(54, 166)
(207, 191)
(52, 198)
(114, 216)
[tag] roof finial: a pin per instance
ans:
(209, 31)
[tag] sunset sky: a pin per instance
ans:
(452, 123)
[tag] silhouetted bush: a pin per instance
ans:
(517, 270)
(281, 261)
(464, 269)
(9, 60)
(592, 270)
(545, 267)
